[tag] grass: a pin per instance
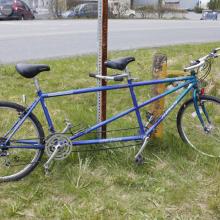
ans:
(173, 183)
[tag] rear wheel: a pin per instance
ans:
(205, 141)
(6, 10)
(16, 161)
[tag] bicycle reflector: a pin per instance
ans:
(202, 91)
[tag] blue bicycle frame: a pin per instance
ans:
(188, 82)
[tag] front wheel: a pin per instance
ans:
(22, 153)
(6, 10)
(204, 140)
(131, 16)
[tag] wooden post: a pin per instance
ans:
(102, 57)
(159, 72)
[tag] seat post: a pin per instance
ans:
(127, 71)
(36, 83)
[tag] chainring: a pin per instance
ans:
(65, 146)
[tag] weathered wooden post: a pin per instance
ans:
(102, 57)
(159, 72)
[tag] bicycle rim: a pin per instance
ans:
(15, 163)
(191, 130)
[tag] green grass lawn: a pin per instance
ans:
(175, 182)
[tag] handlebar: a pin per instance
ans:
(201, 61)
(216, 50)
(116, 77)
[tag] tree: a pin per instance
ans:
(160, 9)
(56, 7)
(147, 11)
(132, 4)
(214, 4)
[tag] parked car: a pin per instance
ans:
(122, 11)
(89, 10)
(69, 13)
(86, 10)
(15, 9)
(209, 15)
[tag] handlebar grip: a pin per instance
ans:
(118, 78)
(216, 50)
(92, 75)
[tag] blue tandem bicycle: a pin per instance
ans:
(22, 138)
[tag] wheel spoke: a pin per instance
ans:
(191, 130)
(16, 160)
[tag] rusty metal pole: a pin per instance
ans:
(102, 57)
(159, 72)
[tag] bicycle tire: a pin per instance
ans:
(191, 130)
(6, 10)
(7, 110)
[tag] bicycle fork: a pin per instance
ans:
(197, 105)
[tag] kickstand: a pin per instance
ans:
(139, 158)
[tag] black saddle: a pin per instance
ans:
(31, 70)
(120, 63)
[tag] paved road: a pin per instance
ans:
(26, 40)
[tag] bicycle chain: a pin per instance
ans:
(88, 150)
(84, 151)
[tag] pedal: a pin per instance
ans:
(139, 160)
(46, 170)
(68, 127)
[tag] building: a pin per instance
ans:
(188, 4)
(116, 3)
(184, 4)
(172, 3)
(35, 4)
(203, 3)
(140, 3)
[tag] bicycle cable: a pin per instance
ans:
(75, 132)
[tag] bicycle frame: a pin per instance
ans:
(188, 82)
